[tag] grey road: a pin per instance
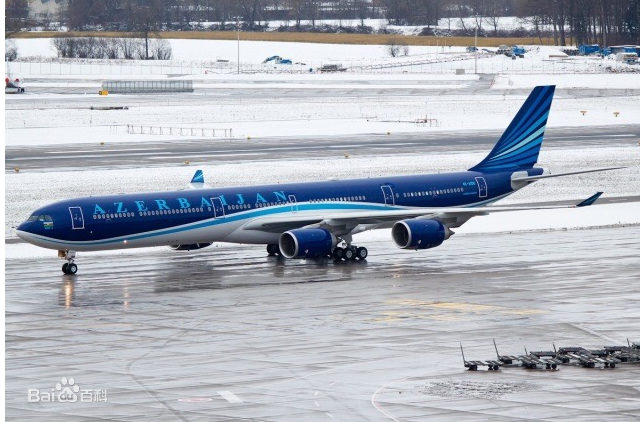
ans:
(229, 334)
(265, 88)
(205, 151)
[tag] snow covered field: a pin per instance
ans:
(201, 57)
(353, 113)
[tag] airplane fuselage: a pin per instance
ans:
(210, 215)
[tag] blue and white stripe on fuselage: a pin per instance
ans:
(207, 215)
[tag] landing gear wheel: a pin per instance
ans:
(69, 268)
(362, 253)
(272, 250)
(338, 254)
(349, 254)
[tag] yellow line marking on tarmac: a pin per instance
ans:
(445, 311)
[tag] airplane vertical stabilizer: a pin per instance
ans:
(519, 145)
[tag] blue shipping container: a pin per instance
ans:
(587, 49)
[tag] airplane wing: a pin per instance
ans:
(343, 223)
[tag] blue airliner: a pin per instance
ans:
(304, 220)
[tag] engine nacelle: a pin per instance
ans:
(419, 234)
(306, 243)
(191, 247)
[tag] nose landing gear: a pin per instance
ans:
(68, 267)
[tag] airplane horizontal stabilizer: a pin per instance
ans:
(545, 176)
(197, 182)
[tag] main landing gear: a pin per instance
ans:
(273, 250)
(68, 267)
(349, 253)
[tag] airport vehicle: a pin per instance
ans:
(607, 357)
(628, 58)
(513, 51)
(503, 49)
(472, 365)
(13, 86)
(517, 50)
(329, 68)
(277, 60)
(305, 220)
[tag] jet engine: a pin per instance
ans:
(306, 243)
(191, 247)
(419, 234)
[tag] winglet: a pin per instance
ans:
(197, 182)
(590, 200)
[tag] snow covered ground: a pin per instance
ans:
(504, 23)
(201, 57)
(26, 118)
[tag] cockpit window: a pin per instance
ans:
(33, 218)
(45, 218)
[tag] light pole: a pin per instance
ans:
(476, 47)
(238, 28)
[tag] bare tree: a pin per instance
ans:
(393, 47)
(494, 10)
(362, 9)
(397, 11)
(251, 11)
(10, 50)
(161, 49)
(130, 47)
(463, 11)
(297, 8)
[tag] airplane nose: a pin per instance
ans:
(24, 233)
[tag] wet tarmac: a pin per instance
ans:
(228, 333)
(154, 154)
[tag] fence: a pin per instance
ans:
(425, 64)
(137, 87)
(181, 131)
